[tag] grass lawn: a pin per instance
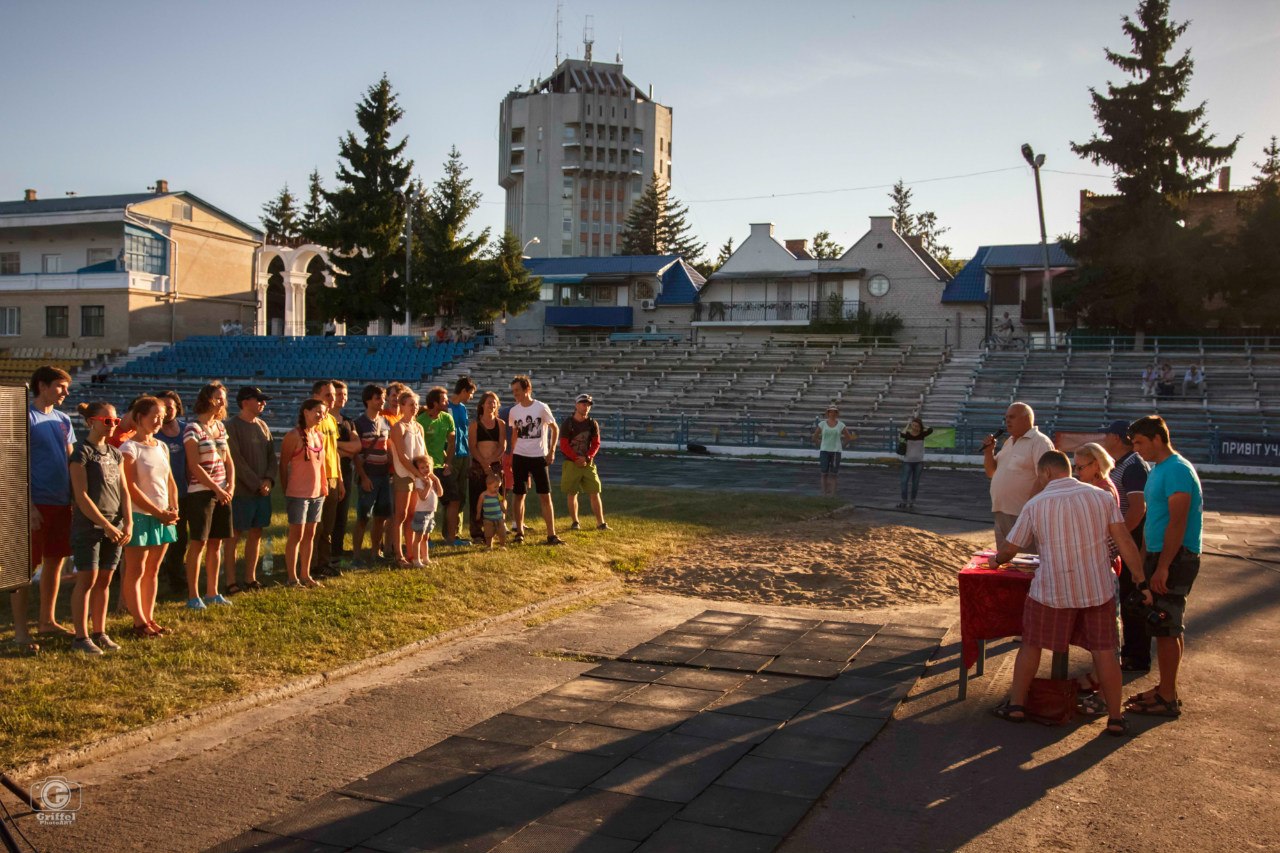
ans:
(60, 699)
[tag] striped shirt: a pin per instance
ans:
(211, 445)
(1129, 476)
(1069, 521)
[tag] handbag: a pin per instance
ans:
(1051, 701)
(901, 449)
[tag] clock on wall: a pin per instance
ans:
(878, 285)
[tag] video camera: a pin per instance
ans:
(1153, 614)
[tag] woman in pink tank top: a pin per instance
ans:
(305, 487)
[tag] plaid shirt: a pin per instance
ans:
(1069, 520)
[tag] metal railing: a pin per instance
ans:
(775, 311)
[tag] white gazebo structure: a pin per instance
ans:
(281, 280)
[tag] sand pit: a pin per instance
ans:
(828, 562)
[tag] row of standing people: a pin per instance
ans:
(147, 483)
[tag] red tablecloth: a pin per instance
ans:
(990, 606)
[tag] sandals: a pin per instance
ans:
(1006, 712)
(234, 589)
(1146, 697)
(312, 583)
(1117, 726)
(252, 585)
(25, 647)
(1092, 687)
(1157, 706)
(145, 632)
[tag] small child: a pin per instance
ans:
(427, 490)
(491, 509)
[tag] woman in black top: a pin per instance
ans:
(486, 436)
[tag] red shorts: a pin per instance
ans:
(1056, 628)
(53, 539)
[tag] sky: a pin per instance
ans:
(802, 114)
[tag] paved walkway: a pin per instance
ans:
(717, 735)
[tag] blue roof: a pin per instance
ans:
(608, 265)
(680, 282)
(970, 283)
(1027, 255)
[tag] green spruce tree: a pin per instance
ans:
(923, 224)
(658, 225)
(447, 253)
(366, 215)
(280, 219)
(500, 284)
(315, 212)
(1141, 268)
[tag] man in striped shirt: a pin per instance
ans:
(1072, 597)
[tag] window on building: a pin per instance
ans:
(93, 321)
(97, 256)
(51, 263)
(517, 136)
(10, 322)
(144, 252)
(548, 292)
(1006, 289)
(517, 158)
(567, 188)
(566, 249)
(539, 133)
(568, 225)
(570, 131)
(55, 321)
(539, 155)
(181, 211)
(10, 263)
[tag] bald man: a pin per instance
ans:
(1012, 470)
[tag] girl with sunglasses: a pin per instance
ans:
(101, 524)
(154, 496)
(305, 486)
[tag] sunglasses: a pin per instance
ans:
(111, 422)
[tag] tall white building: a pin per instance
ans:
(576, 150)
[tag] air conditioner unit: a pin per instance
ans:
(648, 305)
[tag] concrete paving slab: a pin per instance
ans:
(838, 726)
(751, 811)
(411, 783)
(537, 838)
(505, 801)
(596, 689)
(717, 726)
(807, 667)
(675, 639)
(786, 776)
(673, 698)
(335, 819)
(679, 836)
(760, 706)
(733, 661)
(659, 654)
(508, 728)
(559, 768)
(468, 753)
(659, 781)
(821, 750)
(676, 749)
(256, 841)
(782, 686)
(624, 715)
(433, 829)
(622, 671)
(704, 679)
(612, 814)
(560, 708)
(601, 740)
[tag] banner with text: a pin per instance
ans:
(1249, 450)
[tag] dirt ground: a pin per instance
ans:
(829, 562)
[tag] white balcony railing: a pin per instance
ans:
(85, 281)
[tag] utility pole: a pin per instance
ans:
(1036, 161)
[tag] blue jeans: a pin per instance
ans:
(911, 474)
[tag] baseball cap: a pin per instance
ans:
(1120, 428)
(832, 408)
(251, 392)
(584, 398)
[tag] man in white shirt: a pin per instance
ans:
(1072, 597)
(1194, 378)
(534, 435)
(1012, 470)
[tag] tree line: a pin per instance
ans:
(378, 216)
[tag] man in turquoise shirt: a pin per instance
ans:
(1175, 514)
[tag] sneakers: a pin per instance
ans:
(518, 538)
(575, 526)
(555, 540)
(102, 641)
(195, 604)
(462, 543)
(84, 645)
(604, 525)
(218, 599)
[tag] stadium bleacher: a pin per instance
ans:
(18, 363)
(768, 393)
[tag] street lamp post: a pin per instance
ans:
(1035, 161)
(410, 197)
(532, 241)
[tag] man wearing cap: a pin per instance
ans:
(254, 455)
(580, 442)
(1129, 476)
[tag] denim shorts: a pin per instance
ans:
(424, 522)
(377, 500)
(250, 511)
(304, 510)
(829, 461)
(91, 549)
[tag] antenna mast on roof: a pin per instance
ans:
(588, 37)
(559, 5)
(618, 58)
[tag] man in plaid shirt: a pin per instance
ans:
(1072, 597)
